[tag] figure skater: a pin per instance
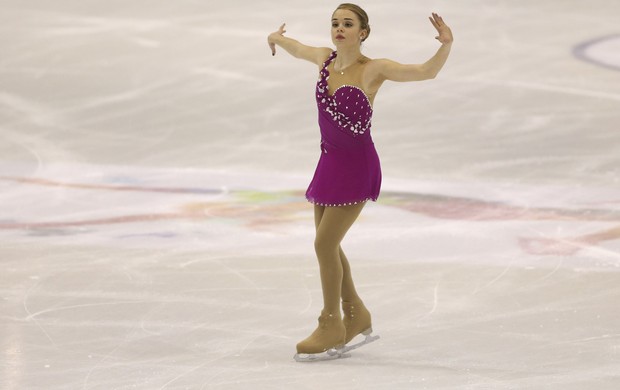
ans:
(348, 172)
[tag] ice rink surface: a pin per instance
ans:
(154, 233)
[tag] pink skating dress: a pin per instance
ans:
(349, 171)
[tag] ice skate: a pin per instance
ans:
(325, 343)
(357, 321)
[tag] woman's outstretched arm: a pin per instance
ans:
(392, 70)
(297, 49)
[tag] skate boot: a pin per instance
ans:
(325, 343)
(357, 321)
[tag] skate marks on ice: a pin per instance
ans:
(195, 319)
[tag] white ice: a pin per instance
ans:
(154, 233)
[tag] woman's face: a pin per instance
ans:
(345, 28)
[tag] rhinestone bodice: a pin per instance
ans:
(348, 106)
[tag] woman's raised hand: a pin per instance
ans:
(445, 34)
(273, 36)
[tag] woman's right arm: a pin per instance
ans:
(297, 49)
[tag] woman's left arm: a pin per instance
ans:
(391, 70)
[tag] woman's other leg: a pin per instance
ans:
(332, 224)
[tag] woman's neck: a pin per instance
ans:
(347, 56)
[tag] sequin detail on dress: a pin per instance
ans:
(349, 106)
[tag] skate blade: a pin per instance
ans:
(330, 354)
(369, 339)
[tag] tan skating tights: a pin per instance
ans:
(332, 223)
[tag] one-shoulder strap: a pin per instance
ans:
(329, 59)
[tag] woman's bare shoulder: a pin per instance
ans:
(378, 62)
(375, 66)
(373, 76)
(323, 54)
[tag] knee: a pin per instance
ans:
(325, 247)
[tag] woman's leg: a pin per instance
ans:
(357, 318)
(333, 224)
(348, 291)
